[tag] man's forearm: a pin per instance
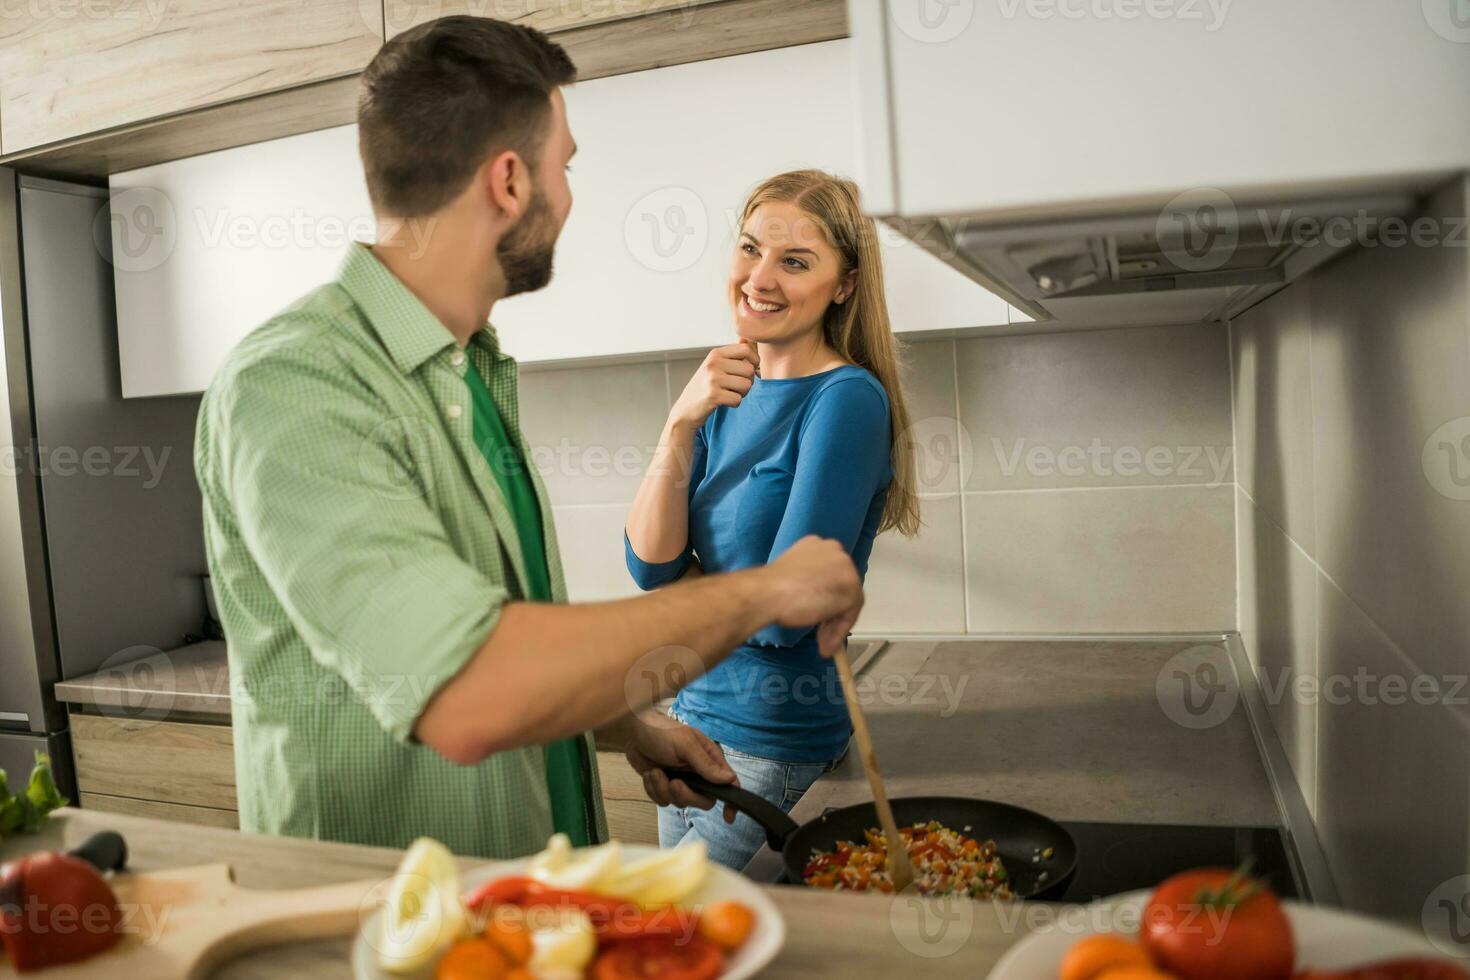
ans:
(549, 671)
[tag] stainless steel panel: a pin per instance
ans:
(27, 653)
(124, 530)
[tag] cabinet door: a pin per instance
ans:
(1017, 109)
(67, 69)
(665, 160)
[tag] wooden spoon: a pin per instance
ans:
(900, 870)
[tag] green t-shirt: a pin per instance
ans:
(564, 759)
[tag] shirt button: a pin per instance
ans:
(457, 358)
(455, 411)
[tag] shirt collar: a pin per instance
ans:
(407, 329)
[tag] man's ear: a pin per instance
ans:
(507, 183)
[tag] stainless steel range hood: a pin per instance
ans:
(1203, 257)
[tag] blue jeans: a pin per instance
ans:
(733, 845)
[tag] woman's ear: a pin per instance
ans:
(845, 288)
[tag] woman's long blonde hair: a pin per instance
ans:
(858, 329)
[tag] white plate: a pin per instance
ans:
(1326, 939)
(765, 941)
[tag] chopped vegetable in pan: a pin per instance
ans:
(945, 862)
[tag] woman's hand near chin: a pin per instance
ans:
(722, 380)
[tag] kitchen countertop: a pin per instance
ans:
(863, 936)
(1072, 729)
(193, 679)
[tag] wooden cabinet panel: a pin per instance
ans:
(168, 761)
(631, 816)
(203, 815)
(544, 15)
(632, 822)
(69, 69)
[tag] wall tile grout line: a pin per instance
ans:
(960, 479)
(1404, 655)
(1103, 487)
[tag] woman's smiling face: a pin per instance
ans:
(784, 275)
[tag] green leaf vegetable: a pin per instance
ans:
(25, 813)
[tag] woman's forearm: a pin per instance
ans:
(658, 520)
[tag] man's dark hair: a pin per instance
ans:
(441, 97)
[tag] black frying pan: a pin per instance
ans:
(1019, 834)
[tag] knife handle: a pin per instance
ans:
(105, 851)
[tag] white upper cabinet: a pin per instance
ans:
(209, 247)
(1014, 110)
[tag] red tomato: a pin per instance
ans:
(67, 912)
(1214, 924)
(1404, 969)
(659, 958)
(670, 921)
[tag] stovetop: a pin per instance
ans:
(1124, 857)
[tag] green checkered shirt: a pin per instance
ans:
(361, 551)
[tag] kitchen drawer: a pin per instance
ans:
(206, 816)
(631, 816)
(632, 822)
(164, 761)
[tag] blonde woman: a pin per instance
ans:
(798, 429)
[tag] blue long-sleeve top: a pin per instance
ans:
(798, 456)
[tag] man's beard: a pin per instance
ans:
(525, 251)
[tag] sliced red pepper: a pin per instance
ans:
(924, 849)
(613, 918)
(501, 891)
(823, 862)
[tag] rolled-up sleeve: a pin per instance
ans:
(654, 574)
(332, 507)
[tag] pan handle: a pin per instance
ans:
(773, 820)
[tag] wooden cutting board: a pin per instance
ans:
(182, 924)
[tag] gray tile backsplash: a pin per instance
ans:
(1133, 407)
(1141, 541)
(1112, 560)
(592, 429)
(1352, 413)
